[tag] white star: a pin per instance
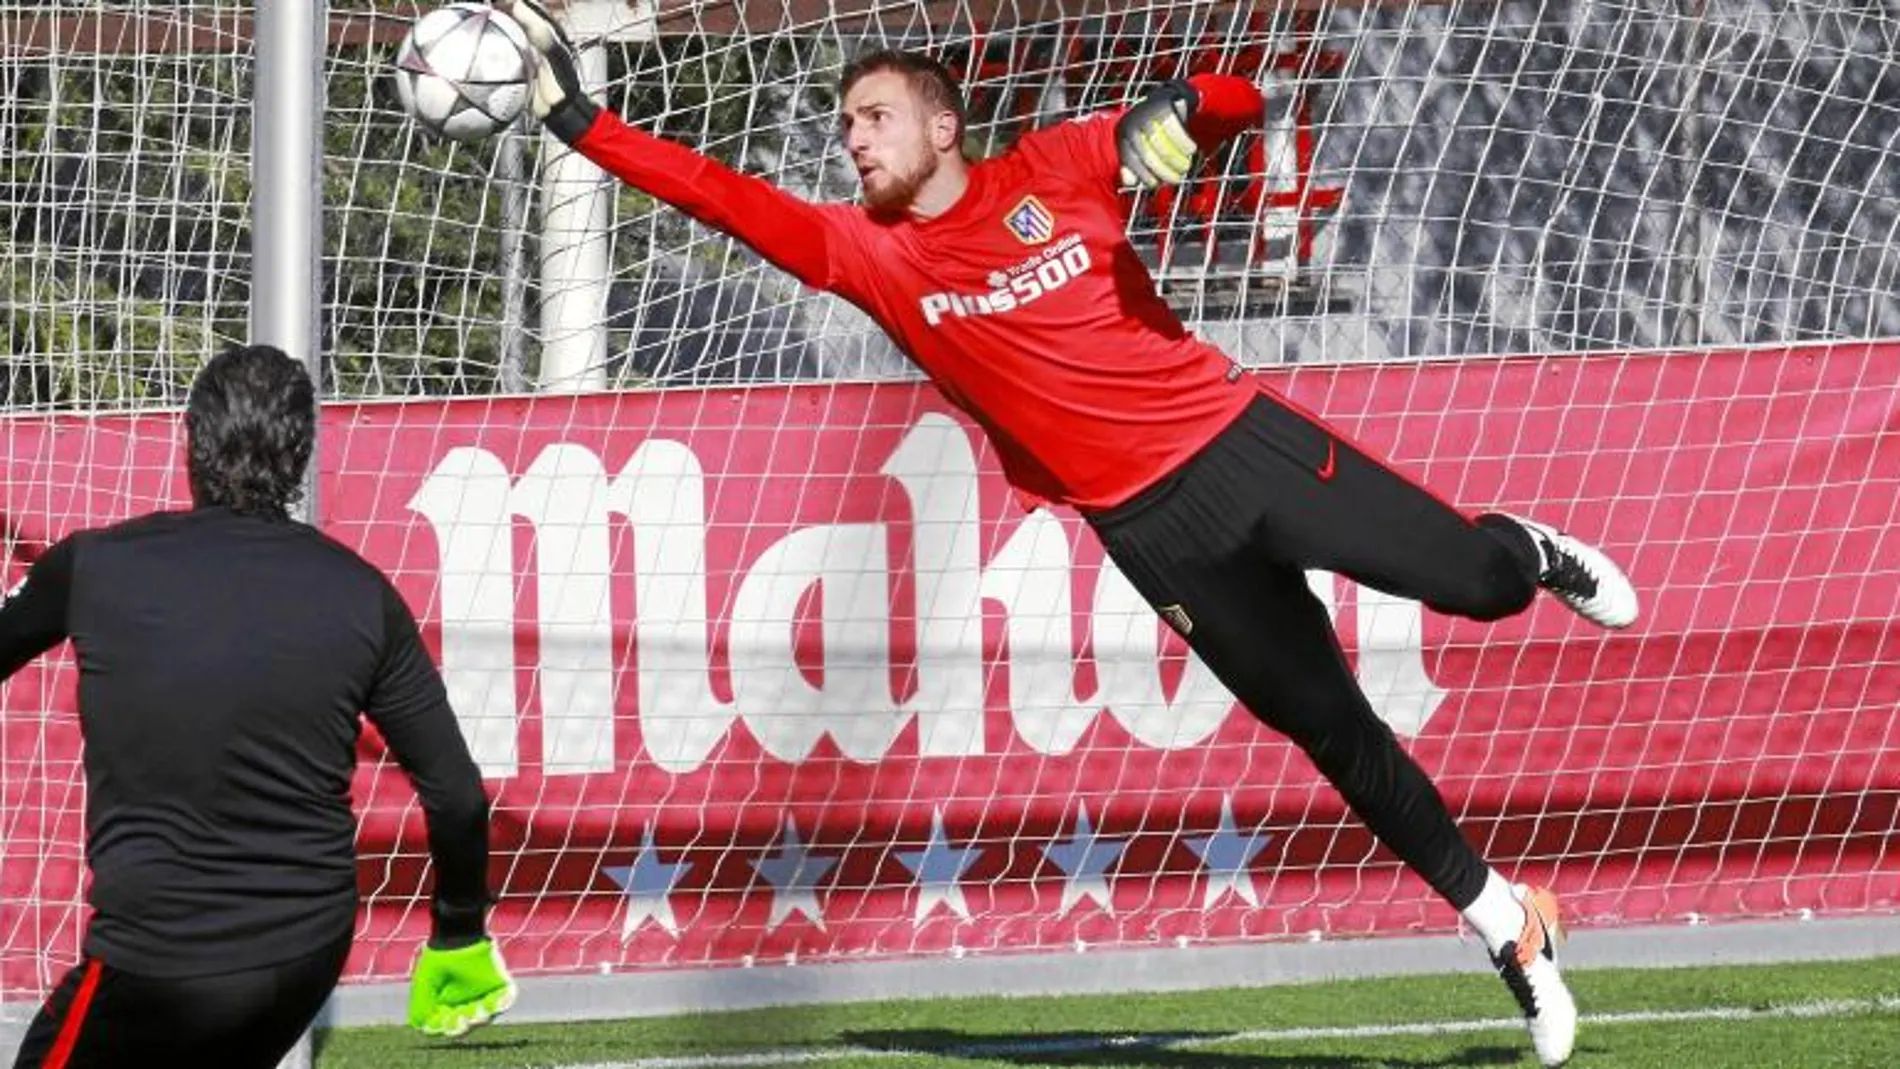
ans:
(648, 884)
(793, 874)
(1085, 859)
(938, 867)
(1225, 855)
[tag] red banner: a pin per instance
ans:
(784, 674)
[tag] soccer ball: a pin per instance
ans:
(463, 72)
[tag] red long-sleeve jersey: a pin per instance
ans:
(1024, 302)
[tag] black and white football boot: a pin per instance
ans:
(1581, 576)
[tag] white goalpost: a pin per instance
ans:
(762, 661)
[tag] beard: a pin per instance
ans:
(899, 186)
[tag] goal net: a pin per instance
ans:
(761, 660)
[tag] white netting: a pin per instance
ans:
(1434, 180)
(127, 177)
(1510, 178)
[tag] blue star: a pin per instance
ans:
(938, 867)
(793, 874)
(1085, 859)
(1225, 855)
(648, 884)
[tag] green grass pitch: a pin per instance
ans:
(1796, 1016)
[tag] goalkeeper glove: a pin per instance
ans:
(452, 991)
(559, 101)
(1156, 148)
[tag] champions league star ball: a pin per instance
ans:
(464, 70)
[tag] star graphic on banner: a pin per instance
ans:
(1225, 855)
(938, 867)
(648, 884)
(793, 874)
(1085, 859)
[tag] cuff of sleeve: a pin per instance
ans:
(1228, 104)
(457, 925)
(571, 121)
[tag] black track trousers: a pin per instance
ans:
(100, 1016)
(1220, 546)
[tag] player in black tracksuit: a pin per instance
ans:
(224, 656)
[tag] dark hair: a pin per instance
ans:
(928, 78)
(250, 425)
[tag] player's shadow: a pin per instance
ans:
(1144, 1050)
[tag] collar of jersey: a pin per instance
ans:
(974, 194)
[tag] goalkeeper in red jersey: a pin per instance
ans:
(1011, 282)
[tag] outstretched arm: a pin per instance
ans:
(410, 708)
(786, 230)
(459, 980)
(790, 232)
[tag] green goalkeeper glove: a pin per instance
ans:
(559, 99)
(452, 991)
(1156, 148)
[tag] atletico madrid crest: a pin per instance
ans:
(1030, 222)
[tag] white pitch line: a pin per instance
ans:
(1154, 1040)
